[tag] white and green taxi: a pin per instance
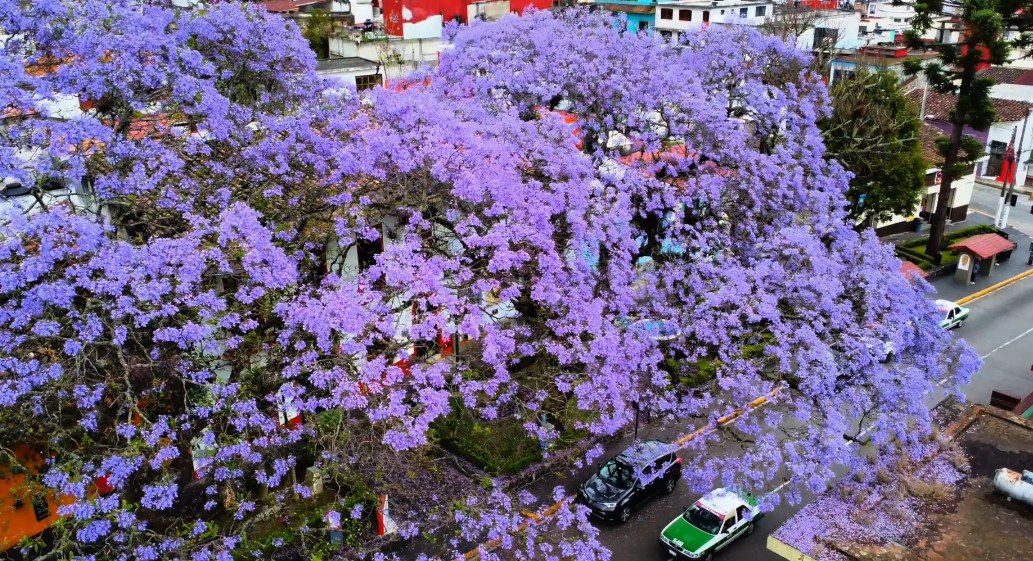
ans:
(708, 526)
(953, 315)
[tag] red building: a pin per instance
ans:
(422, 19)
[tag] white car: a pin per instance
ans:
(953, 315)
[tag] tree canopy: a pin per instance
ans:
(874, 134)
(246, 244)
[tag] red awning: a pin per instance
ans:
(984, 246)
(912, 271)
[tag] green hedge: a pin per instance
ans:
(951, 237)
(499, 447)
(914, 250)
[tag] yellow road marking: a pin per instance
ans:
(995, 287)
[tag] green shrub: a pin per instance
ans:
(919, 244)
(498, 447)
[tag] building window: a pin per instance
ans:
(643, 25)
(684, 15)
(722, 12)
(762, 11)
(706, 16)
(367, 82)
(666, 13)
(743, 12)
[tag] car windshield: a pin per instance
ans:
(617, 474)
(703, 519)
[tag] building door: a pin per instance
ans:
(996, 160)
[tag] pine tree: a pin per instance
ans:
(985, 23)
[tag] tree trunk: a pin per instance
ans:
(939, 219)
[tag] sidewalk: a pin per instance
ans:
(945, 286)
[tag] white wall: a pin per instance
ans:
(846, 23)
(362, 10)
(412, 52)
(1002, 132)
(962, 187)
(343, 77)
(730, 15)
(490, 11)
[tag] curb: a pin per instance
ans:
(995, 287)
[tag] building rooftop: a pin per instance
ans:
(946, 509)
(286, 6)
(1008, 75)
(928, 135)
(346, 64)
(984, 246)
(939, 105)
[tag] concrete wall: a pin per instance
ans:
(962, 187)
(847, 24)
(397, 57)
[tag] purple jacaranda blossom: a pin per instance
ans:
(248, 250)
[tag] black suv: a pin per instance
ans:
(634, 476)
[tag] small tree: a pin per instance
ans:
(985, 22)
(874, 133)
(317, 30)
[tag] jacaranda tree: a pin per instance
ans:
(247, 244)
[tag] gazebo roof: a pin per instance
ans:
(984, 246)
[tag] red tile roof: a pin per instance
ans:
(912, 271)
(927, 135)
(1008, 75)
(940, 105)
(984, 246)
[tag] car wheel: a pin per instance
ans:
(625, 514)
(669, 486)
(709, 556)
(749, 529)
(959, 324)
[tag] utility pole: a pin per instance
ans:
(1009, 166)
(1014, 174)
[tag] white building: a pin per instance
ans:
(358, 72)
(961, 189)
(687, 15)
(1012, 118)
(825, 28)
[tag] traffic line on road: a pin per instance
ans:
(1005, 344)
(535, 517)
(995, 287)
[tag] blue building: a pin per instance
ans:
(640, 14)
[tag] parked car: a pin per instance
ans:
(642, 471)
(710, 525)
(953, 314)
